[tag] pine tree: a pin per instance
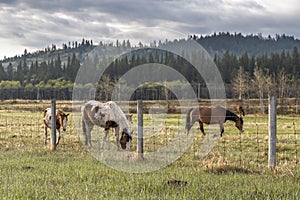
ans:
(19, 74)
(3, 75)
(57, 68)
(296, 62)
(73, 68)
(10, 72)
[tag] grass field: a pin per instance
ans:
(236, 168)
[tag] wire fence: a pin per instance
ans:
(21, 127)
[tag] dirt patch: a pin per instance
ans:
(229, 169)
(177, 183)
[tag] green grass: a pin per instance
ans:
(236, 168)
(41, 174)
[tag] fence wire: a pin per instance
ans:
(21, 127)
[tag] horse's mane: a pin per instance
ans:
(229, 113)
(232, 116)
(60, 112)
(119, 115)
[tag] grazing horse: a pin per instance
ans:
(107, 115)
(61, 121)
(204, 115)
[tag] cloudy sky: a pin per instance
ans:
(34, 24)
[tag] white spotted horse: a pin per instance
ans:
(106, 115)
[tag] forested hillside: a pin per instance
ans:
(245, 63)
(238, 44)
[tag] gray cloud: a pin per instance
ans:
(35, 24)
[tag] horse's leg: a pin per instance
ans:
(87, 129)
(84, 130)
(117, 138)
(221, 129)
(45, 135)
(201, 127)
(104, 138)
(88, 140)
(58, 130)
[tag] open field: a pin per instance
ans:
(236, 168)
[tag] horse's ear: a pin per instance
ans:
(67, 114)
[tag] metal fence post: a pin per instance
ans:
(140, 145)
(53, 124)
(272, 132)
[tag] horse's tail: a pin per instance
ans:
(188, 121)
(83, 118)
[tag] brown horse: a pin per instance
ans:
(61, 121)
(204, 115)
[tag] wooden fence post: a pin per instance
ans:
(272, 132)
(53, 125)
(140, 145)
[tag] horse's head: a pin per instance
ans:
(239, 123)
(63, 119)
(125, 139)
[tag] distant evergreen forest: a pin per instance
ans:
(249, 65)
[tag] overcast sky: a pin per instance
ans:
(35, 24)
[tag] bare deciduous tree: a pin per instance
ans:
(241, 82)
(259, 82)
(283, 84)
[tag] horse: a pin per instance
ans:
(106, 115)
(61, 121)
(204, 115)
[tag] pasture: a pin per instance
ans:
(236, 168)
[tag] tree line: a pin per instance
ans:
(244, 75)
